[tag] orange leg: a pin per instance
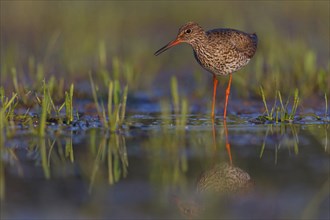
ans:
(215, 85)
(227, 95)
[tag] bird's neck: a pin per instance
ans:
(199, 42)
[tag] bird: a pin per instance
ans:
(221, 52)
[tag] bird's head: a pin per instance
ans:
(188, 33)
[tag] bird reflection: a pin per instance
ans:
(221, 181)
(223, 178)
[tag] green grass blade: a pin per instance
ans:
(71, 102)
(283, 109)
(295, 104)
(44, 161)
(69, 149)
(326, 105)
(123, 108)
(110, 95)
(43, 117)
(175, 94)
(264, 99)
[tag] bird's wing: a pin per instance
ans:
(239, 40)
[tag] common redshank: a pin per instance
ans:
(219, 51)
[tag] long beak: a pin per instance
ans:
(167, 46)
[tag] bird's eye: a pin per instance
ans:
(188, 31)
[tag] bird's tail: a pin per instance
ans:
(254, 39)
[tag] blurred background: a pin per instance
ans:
(114, 39)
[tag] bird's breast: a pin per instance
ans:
(220, 60)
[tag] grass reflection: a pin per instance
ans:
(109, 150)
(105, 160)
(321, 135)
(281, 136)
(167, 157)
(44, 158)
(287, 136)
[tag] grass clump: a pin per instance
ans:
(114, 116)
(8, 106)
(43, 103)
(51, 112)
(282, 113)
(279, 113)
(7, 114)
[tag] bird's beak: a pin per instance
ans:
(168, 46)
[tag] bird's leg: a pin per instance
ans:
(227, 95)
(215, 85)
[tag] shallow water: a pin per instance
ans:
(155, 169)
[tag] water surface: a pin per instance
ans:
(154, 169)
